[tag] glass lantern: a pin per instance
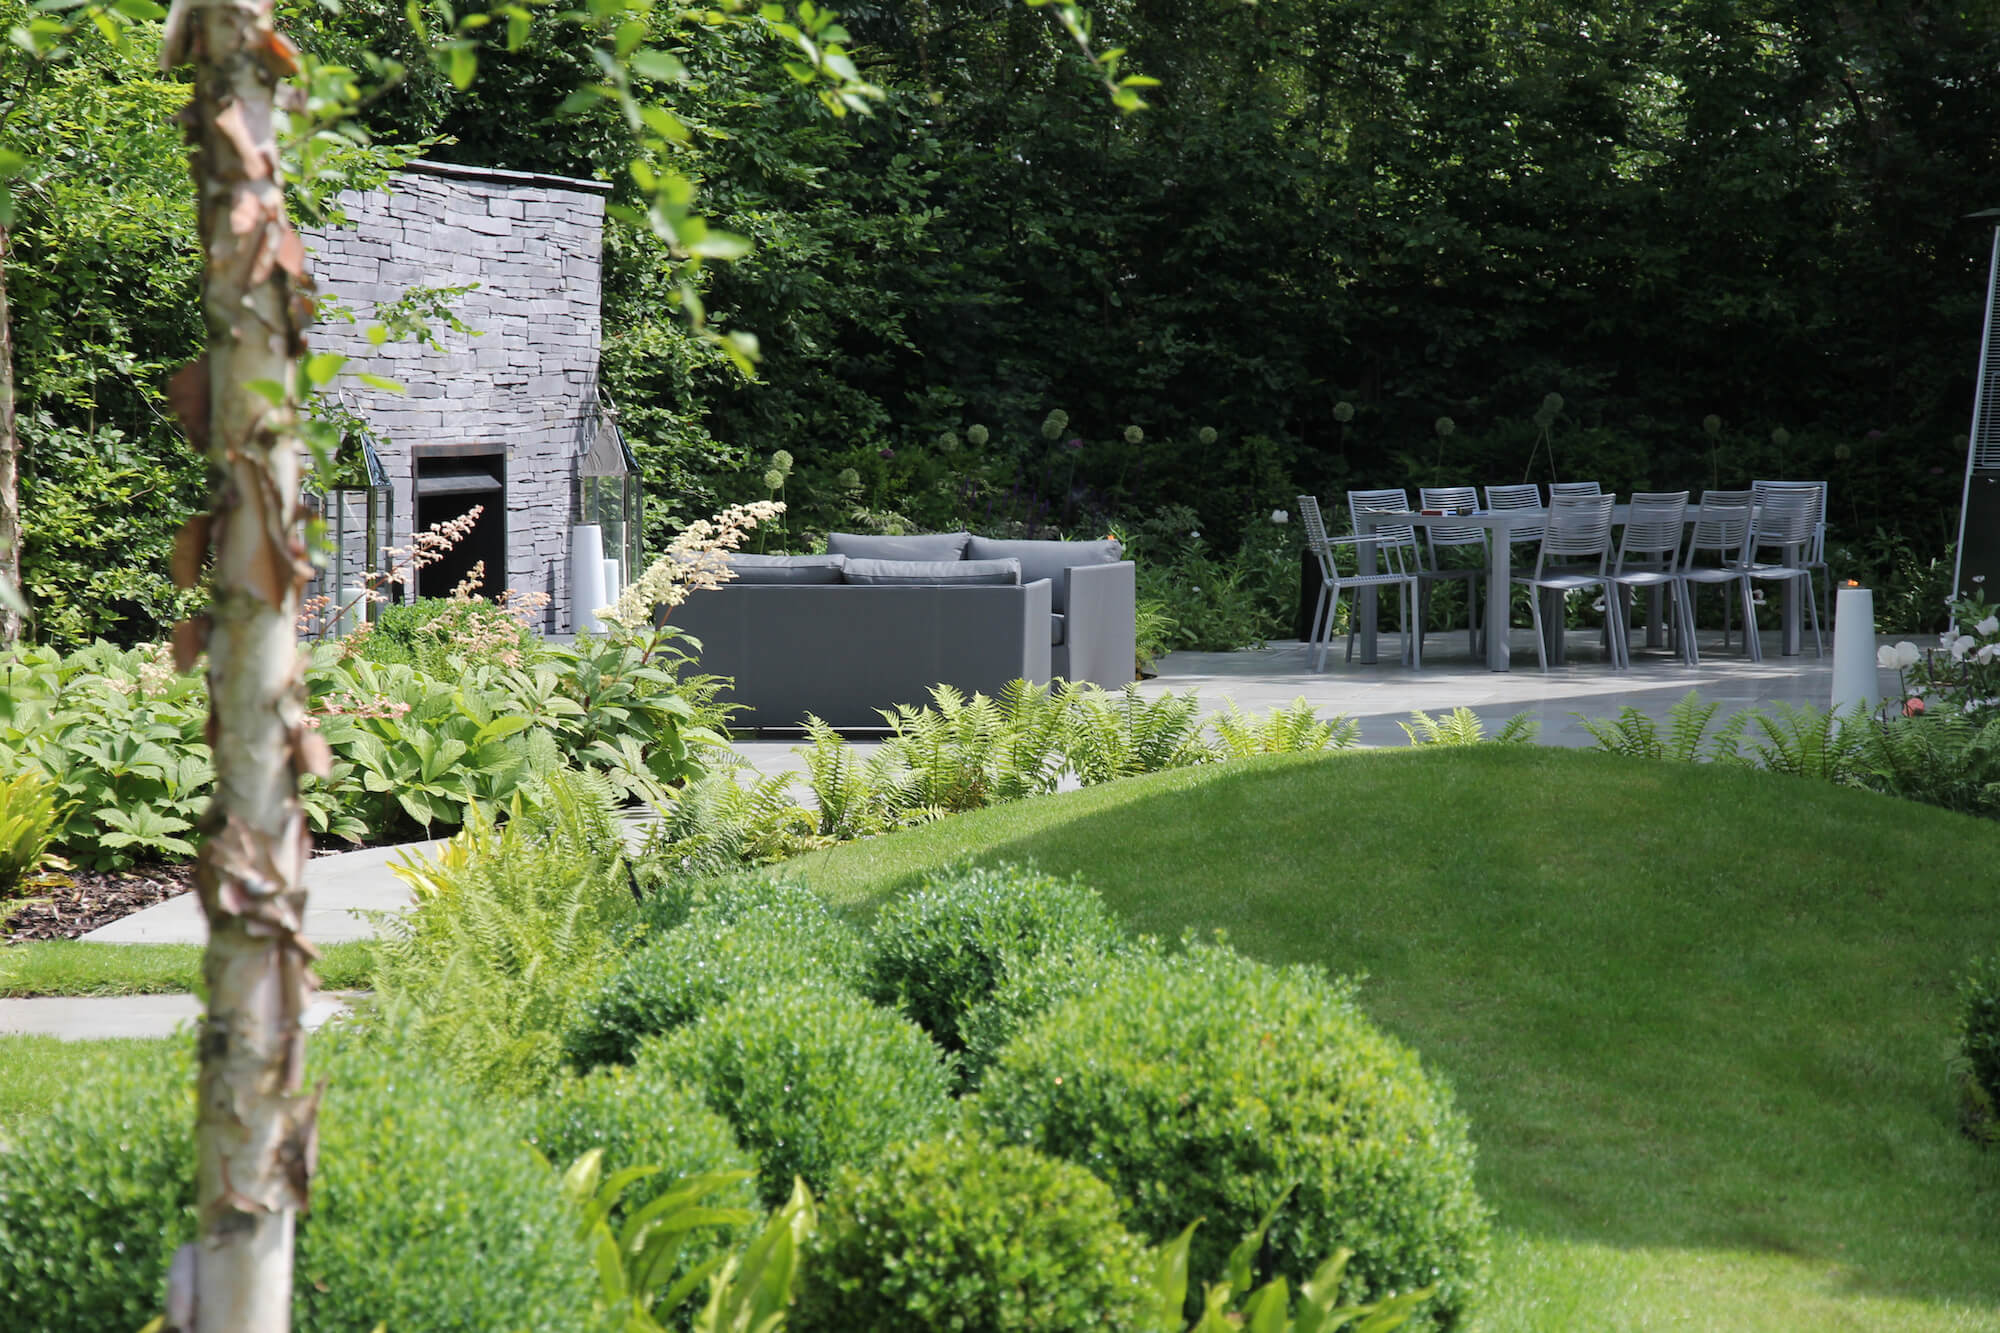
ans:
(355, 508)
(606, 491)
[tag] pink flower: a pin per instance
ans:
(1913, 707)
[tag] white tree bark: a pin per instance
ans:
(255, 1132)
(10, 459)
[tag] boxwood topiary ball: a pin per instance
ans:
(813, 1078)
(966, 1235)
(1205, 1085)
(429, 1212)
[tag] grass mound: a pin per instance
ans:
(1699, 1018)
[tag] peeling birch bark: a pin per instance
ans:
(10, 459)
(255, 1132)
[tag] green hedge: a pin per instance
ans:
(814, 1078)
(961, 1234)
(429, 1212)
(1206, 1085)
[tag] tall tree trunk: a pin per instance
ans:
(255, 1132)
(10, 457)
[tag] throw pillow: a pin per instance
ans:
(930, 546)
(762, 569)
(1047, 560)
(1005, 572)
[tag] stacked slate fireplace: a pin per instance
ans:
(501, 418)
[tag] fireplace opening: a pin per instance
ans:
(451, 481)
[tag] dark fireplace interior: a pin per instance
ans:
(450, 482)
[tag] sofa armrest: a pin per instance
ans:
(1101, 627)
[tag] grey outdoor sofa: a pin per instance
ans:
(879, 621)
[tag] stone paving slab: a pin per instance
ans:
(89, 1018)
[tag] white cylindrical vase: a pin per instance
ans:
(586, 577)
(614, 579)
(351, 606)
(1854, 678)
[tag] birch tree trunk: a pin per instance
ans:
(10, 458)
(255, 1132)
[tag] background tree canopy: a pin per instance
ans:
(1339, 223)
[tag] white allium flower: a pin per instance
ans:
(1988, 626)
(1194, 536)
(1280, 516)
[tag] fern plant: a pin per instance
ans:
(513, 928)
(1035, 742)
(856, 795)
(952, 749)
(1294, 729)
(1122, 735)
(1811, 742)
(1943, 759)
(1688, 739)
(713, 825)
(1461, 726)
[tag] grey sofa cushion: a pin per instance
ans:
(934, 571)
(763, 569)
(1046, 560)
(931, 546)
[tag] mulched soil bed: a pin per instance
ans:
(91, 899)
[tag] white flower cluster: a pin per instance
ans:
(697, 558)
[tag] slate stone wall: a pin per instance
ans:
(526, 381)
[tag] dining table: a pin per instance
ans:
(1499, 526)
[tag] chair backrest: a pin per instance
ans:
(1316, 541)
(1785, 519)
(1815, 493)
(1579, 527)
(1564, 488)
(1387, 535)
(1722, 525)
(1526, 496)
(1652, 536)
(1459, 499)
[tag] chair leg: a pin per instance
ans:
(1753, 642)
(1812, 604)
(1417, 647)
(1326, 635)
(1725, 622)
(1472, 615)
(1535, 614)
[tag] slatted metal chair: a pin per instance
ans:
(1559, 489)
(1576, 550)
(1720, 533)
(1648, 560)
(1443, 540)
(1392, 548)
(1814, 556)
(1783, 523)
(1403, 537)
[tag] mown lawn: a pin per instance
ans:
(1701, 1017)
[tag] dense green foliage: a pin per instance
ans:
(428, 1212)
(945, 948)
(1205, 1084)
(814, 1078)
(1673, 243)
(957, 1233)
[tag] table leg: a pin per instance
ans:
(1499, 594)
(1555, 625)
(1656, 617)
(1365, 601)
